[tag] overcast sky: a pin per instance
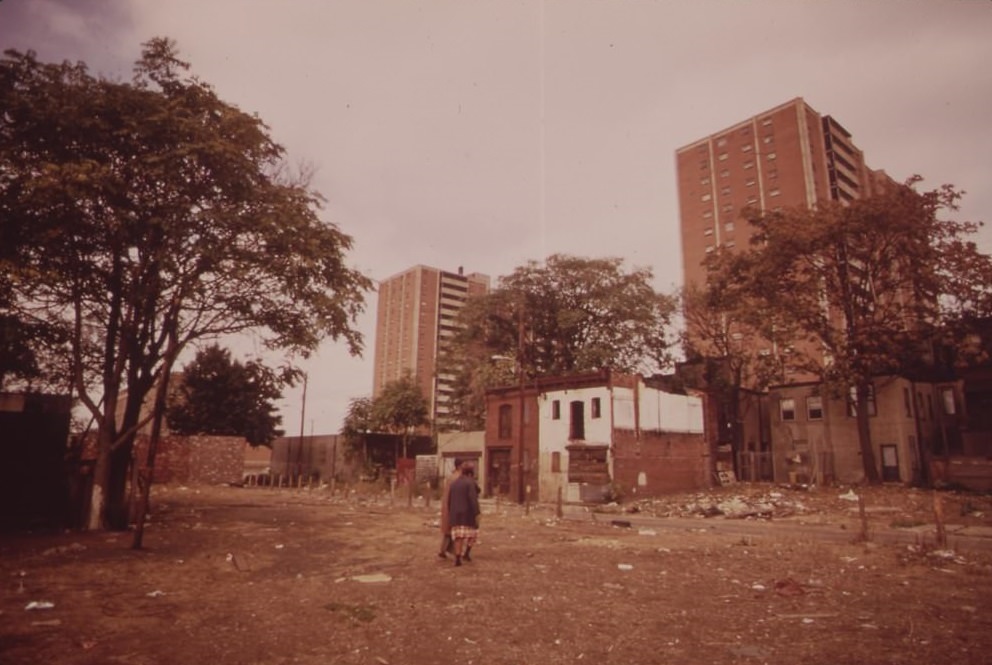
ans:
(485, 133)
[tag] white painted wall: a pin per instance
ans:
(665, 412)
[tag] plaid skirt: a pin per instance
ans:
(467, 532)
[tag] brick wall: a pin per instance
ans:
(208, 460)
(664, 462)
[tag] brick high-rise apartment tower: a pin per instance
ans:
(787, 156)
(415, 316)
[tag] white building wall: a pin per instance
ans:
(553, 436)
(667, 412)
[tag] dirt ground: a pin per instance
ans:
(233, 576)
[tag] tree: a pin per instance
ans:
(720, 336)
(861, 290)
(150, 215)
(566, 315)
(221, 396)
(400, 408)
(358, 424)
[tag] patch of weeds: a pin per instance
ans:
(361, 613)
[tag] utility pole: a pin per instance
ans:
(303, 414)
(520, 417)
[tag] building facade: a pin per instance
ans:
(788, 156)
(415, 319)
(594, 437)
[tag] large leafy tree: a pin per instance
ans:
(358, 423)
(400, 409)
(149, 215)
(861, 290)
(222, 396)
(566, 315)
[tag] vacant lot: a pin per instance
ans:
(233, 576)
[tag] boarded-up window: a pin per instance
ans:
(555, 462)
(555, 410)
(505, 421)
(595, 408)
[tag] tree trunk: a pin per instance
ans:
(101, 480)
(146, 475)
(872, 475)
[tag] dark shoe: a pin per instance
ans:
(466, 557)
(442, 555)
(458, 561)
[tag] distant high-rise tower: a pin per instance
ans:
(787, 156)
(415, 318)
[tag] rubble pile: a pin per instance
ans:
(770, 504)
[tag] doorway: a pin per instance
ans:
(890, 463)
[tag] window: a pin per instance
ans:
(752, 199)
(772, 155)
(852, 401)
(766, 122)
(595, 408)
(747, 147)
(577, 425)
(729, 226)
(748, 165)
(705, 197)
(730, 243)
(725, 191)
(907, 402)
(707, 214)
(773, 174)
(722, 157)
(948, 398)
(555, 410)
(505, 421)
(556, 462)
(708, 232)
(774, 192)
(728, 207)
(787, 409)
(769, 139)
(725, 173)
(721, 142)
(814, 407)
(704, 181)
(749, 182)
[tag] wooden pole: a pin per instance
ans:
(864, 519)
(938, 514)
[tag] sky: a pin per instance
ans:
(486, 133)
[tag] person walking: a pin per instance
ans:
(463, 512)
(447, 545)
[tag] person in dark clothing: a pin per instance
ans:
(463, 512)
(448, 545)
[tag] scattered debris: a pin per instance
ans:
(155, 594)
(64, 549)
(372, 578)
(789, 587)
(624, 566)
(39, 605)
